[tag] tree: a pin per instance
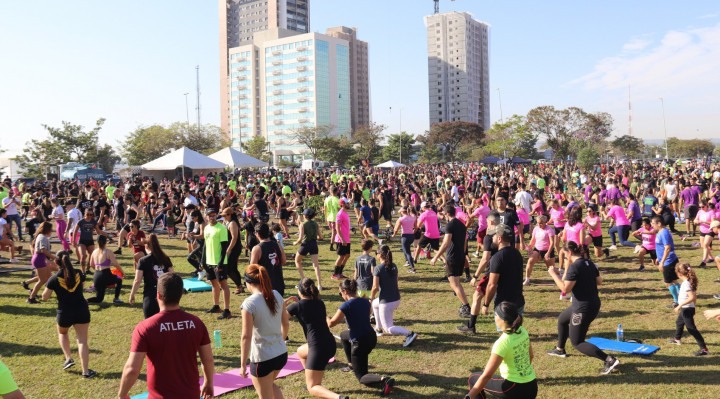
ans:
(678, 148)
(337, 150)
(512, 138)
(587, 158)
(147, 143)
(454, 140)
(368, 137)
(628, 146)
(567, 130)
(69, 143)
(311, 137)
(397, 143)
(257, 147)
(107, 158)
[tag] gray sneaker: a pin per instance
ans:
(409, 339)
(610, 365)
(557, 352)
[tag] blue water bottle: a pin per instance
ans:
(620, 334)
(217, 338)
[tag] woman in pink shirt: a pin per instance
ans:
(557, 219)
(525, 219)
(542, 244)
(480, 213)
(647, 234)
(704, 217)
(593, 225)
(621, 227)
(406, 225)
(574, 231)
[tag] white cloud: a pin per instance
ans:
(682, 60)
(708, 16)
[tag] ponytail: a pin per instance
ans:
(685, 270)
(308, 289)
(386, 256)
(258, 275)
(62, 259)
(508, 312)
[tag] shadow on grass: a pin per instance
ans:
(438, 342)
(603, 314)
(628, 374)
(10, 349)
(28, 310)
(448, 385)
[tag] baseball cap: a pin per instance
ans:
(309, 212)
(424, 204)
(210, 210)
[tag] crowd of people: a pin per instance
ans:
(488, 226)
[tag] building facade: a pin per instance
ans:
(283, 81)
(458, 68)
(359, 75)
(240, 20)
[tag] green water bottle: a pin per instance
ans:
(217, 338)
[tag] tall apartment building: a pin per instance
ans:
(241, 19)
(359, 75)
(458, 68)
(283, 81)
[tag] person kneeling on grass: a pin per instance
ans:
(360, 339)
(385, 282)
(512, 353)
(320, 348)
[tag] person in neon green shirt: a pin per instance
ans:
(8, 387)
(512, 354)
(232, 184)
(331, 208)
(110, 190)
(216, 243)
(286, 189)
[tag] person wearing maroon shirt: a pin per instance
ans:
(136, 239)
(171, 340)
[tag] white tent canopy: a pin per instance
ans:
(390, 164)
(183, 157)
(235, 159)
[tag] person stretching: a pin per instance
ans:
(455, 243)
(582, 279)
(308, 234)
(342, 239)
(315, 355)
(216, 254)
(665, 248)
(103, 260)
(385, 283)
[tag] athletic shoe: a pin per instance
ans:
(702, 352)
(637, 249)
(702, 265)
(610, 365)
(443, 278)
(214, 309)
(409, 339)
(641, 268)
(343, 397)
(526, 282)
(464, 311)
(406, 264)
(379, 333)
(612, 248)
(32, 300)
(89, 374)
(565, 296)
(672, 305)
(346, 369)
(557, 352)
(606, 252)
(696, 244)
(68, 363)
(335, 277)
(118, 301)
(26, 285)
(118, 252)
(90, 289)
(466, 280)
(716, 296)
(201, 275)
(380, 242)
(342, 277)
(717, 280)
(388, 384)
(412, 270)
(372, 319)
(320, 288)
(674, 341)
(13, 260)
(476, 254)
(225, 315)
(466, 330)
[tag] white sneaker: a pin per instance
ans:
(13, 260)
(565, 296)
(380, 243)
(526, 282)
(637, 250)
(613, 248)
(201, 275)
(476, 254)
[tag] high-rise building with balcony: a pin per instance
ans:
(458, 68)
(359, 75)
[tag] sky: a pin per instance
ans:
(132, 62)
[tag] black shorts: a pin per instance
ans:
(669, 274)
(711, 234)
(543, 253)
(434, 243)
(126, 228)
(417, 235)
(651, 252)
(357, 206)
(69, 317)
(308, 248)
(387, 214)
(216, 272)
(263, 369)
(691, 211)
(343, 249)
(455, 266)
(284, 214)
(559, 230)
(319, 356)
(597, 242)
(87, 243)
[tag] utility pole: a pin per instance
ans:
(187, 110)
(662, 102)
(197, 79)
(500, 103)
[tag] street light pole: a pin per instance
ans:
(500, 103)
(662, 102)
(401, 133)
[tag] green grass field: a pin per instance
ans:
(436, 366)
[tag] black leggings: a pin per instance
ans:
(357, 351)
(150, 307)
(686, 318)
(575, 324)
(232, 265)
(499, 387)
(196, 256)
(101, 279)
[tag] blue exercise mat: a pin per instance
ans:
(140, 396)
(625, 347)
(195, 285)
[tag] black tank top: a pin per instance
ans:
(270, 260)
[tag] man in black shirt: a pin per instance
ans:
(480, 279)
(510, 218)
(454, 244)
(506, 272)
